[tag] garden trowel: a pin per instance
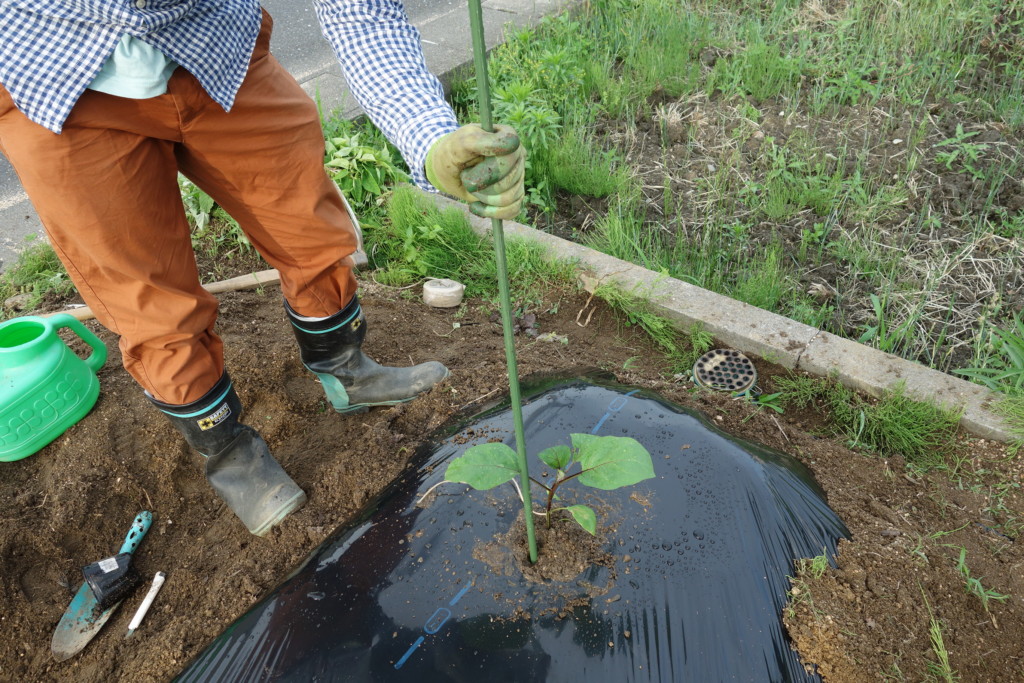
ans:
(107, 582)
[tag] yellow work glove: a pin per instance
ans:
(484, 169)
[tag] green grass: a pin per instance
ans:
(814, 567)
(973, 585)
(37, 273)
(940, 669)
(681, 351)
(1003, 359)
(416, 240)
(894, 425)
(591, 77)
(578, 165)
(1012, 410)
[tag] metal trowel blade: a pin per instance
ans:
(82, 620)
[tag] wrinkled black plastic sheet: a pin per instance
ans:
(398, 596)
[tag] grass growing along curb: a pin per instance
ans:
(920, 431)
(680, 354)
(1004, 359)
(1012, 410)
(415, 240)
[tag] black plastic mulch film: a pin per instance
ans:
(699, 581)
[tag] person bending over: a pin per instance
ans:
(103, 103)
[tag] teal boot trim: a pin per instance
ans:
(331, 348)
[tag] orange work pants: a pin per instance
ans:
(106, 191)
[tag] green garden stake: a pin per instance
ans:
(476, 23)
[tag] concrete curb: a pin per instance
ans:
(776, 339)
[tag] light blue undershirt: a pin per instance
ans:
(136, 70)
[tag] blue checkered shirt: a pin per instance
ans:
(51, 50)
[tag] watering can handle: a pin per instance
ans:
(98, 356)
(140, 526)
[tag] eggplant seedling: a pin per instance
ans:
(605, 462)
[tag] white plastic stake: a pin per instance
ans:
(158, 581)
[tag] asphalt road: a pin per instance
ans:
(299, 45)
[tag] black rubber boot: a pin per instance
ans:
(353, 382)
(239, 465)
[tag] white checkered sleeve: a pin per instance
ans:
(380, 54)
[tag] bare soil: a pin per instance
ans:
(71, 503)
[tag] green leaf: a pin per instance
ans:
(580, 440)
(205, 202)
(370, 184)
(610, 462)
(339, 163)
(484, 466)
(557, 457)
(585, 517)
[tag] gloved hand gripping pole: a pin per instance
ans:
(476, 23)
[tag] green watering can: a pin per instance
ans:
(44, 387)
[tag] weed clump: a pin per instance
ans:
(416, 240)
(920, 431)
(38, 273)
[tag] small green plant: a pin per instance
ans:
(770, 401)
(849, 86)
(883, 334)
(37, 273)
(362, 171)
(799, 591)
(605, 462)
(814, 236)
(411, 251)
(973, 584)
(967, 153)
(815, 566)
(940, 669)
(214, 231)
(198, 205)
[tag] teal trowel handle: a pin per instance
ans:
(139, 528)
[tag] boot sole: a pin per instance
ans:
(365, 407)
(361, 408)
(296, 502)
